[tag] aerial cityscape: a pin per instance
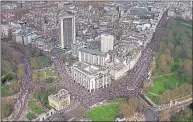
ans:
(96, 61)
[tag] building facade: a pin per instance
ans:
(60, 100)
(107, 42)
(45, 43)
(89, 76)
(4, 30)
(92, 56)
(68, 32)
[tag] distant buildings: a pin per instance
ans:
(67, 32)
(4, 30)
(131, 26)
(24, 35)
(60, 100)
(45, 43)
(78, 45)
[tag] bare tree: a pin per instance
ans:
(21, 72)
(164, 115)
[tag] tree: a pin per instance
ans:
(146, 87)
(162, 46)
(163, 66)
(6, 110)
(167, 51)
(128, 109)
(187, 68)
(15, 57)
(164, 115)
(171, 46)
(34, 64)
(170, 59)
(14, 86)
(186, 89)
(6, 66)
(36, 93)
(178, 51)
(9, 35)
(141, 107)
(20, 71)
(170, 36)
(35, 77)
(187, 48)
(163, 62)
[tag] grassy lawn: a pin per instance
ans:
(49, 73)
(48, 76)
(161, 84)
(181, 34)
(119, 100)
(42, 95)
(30, 116)
(4, 90)
(104, 113)
(186, 25)
(45, 94)
(42, 75)
(43, 61)
(36, 109)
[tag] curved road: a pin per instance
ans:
(26, 89)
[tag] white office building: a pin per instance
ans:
(93, 56)
(89, 76)
(107, 42)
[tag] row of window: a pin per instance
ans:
(93, 59)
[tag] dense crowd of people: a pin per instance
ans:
(26, 88)
(87, 99)
(78, 92)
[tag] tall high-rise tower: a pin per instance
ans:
(68, 32)
(107, 42)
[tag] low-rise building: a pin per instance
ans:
(44, 43)
(60, 100)
(4, 30)
(44, 116)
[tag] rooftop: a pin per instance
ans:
(89, 69)
(93, 51)
(62, 94)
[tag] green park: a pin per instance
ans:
(104, 113)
